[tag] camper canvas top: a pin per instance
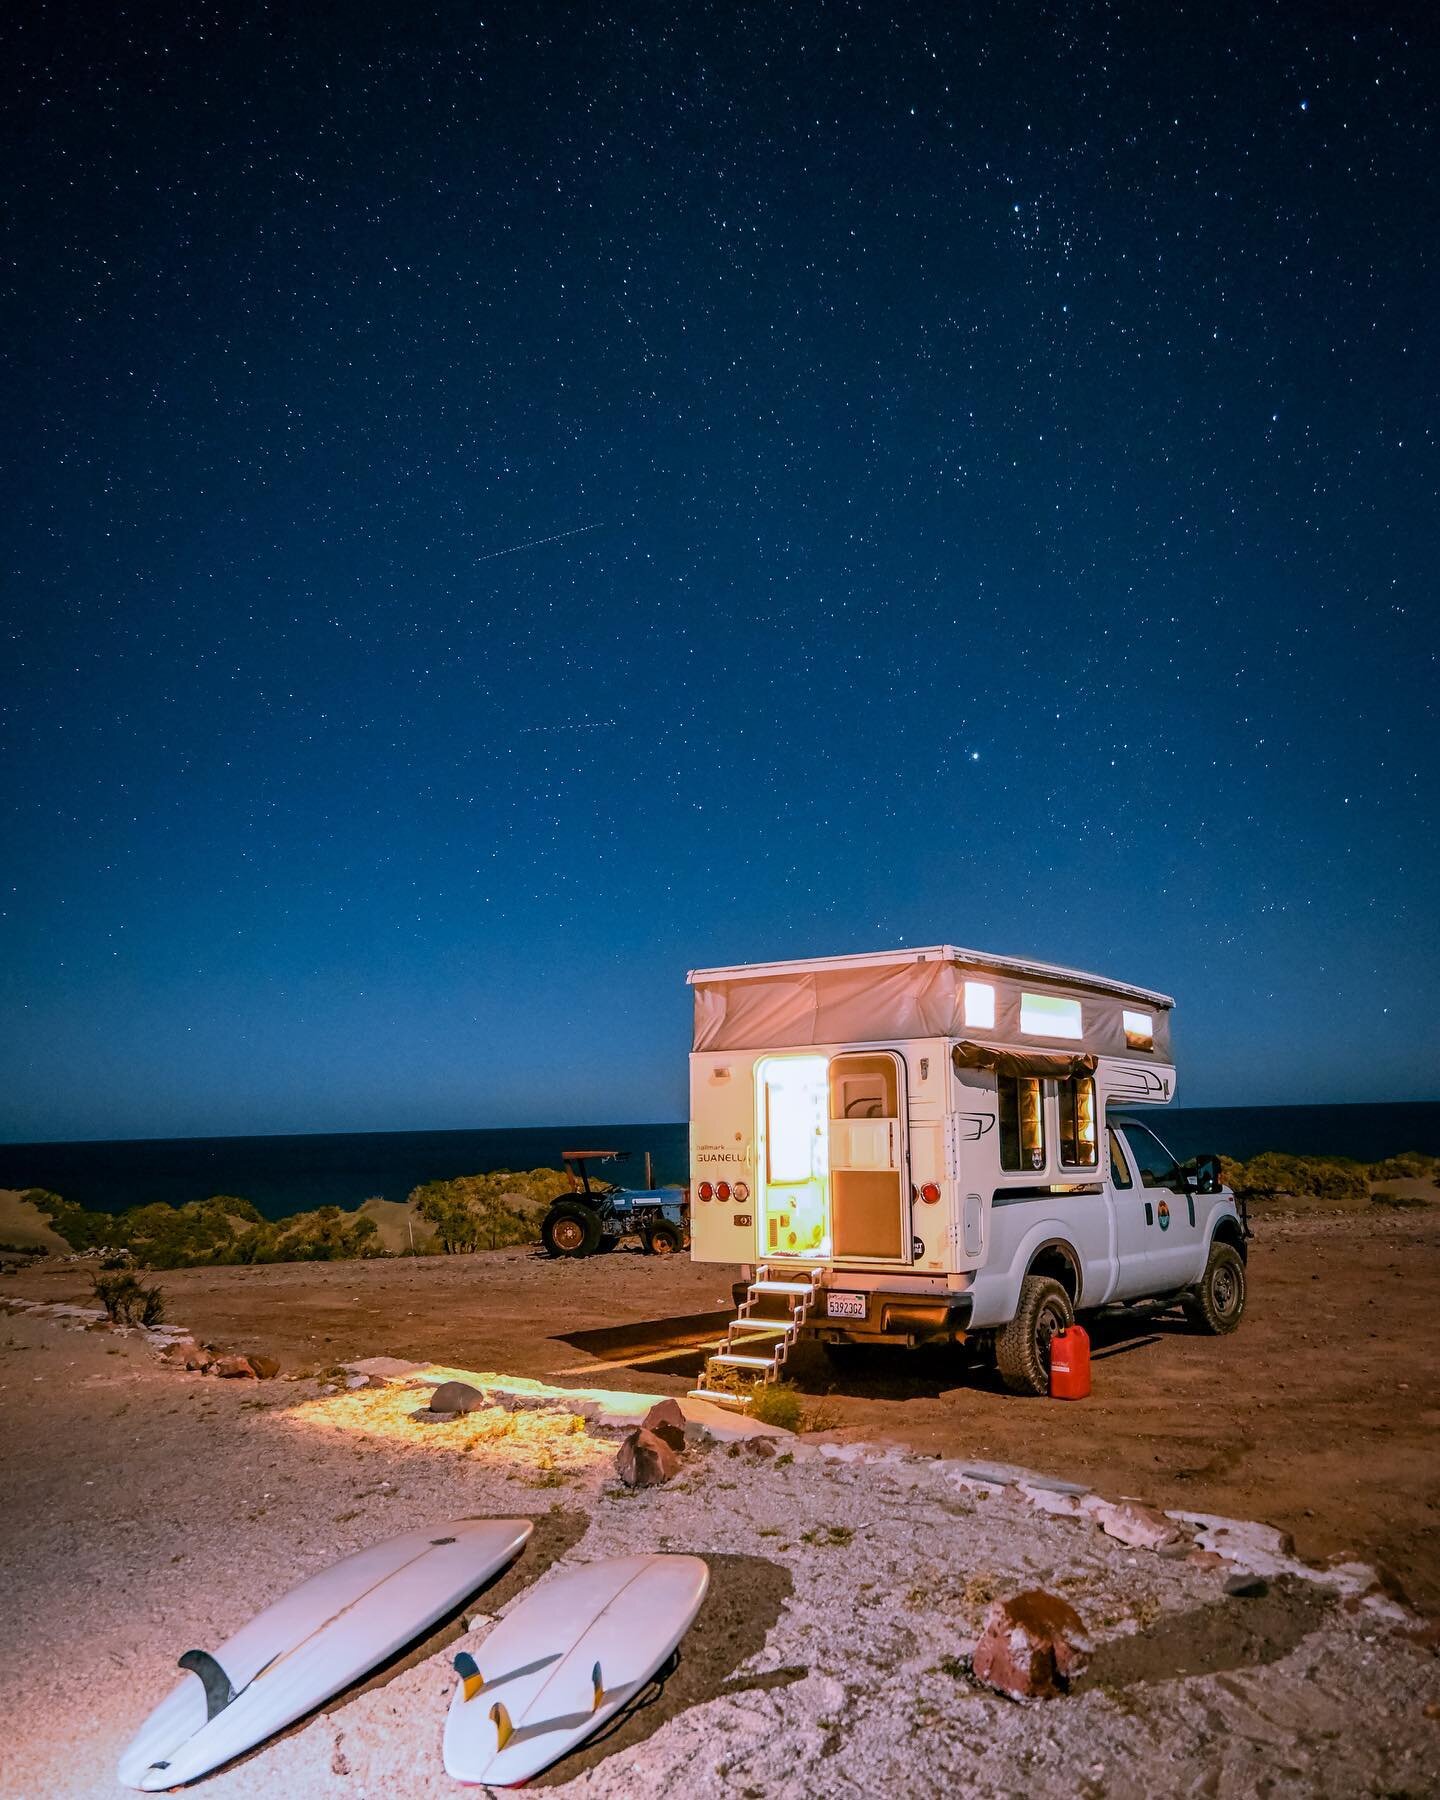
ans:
(937, 991)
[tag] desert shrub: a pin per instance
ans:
(487, 1212)
(1410, 1165)
(776, 1403)
(1400, 1202)
(1326, 1178)
(126, 1299)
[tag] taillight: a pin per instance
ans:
(723, 1191)
(740, 1191)
(705, 1191)
(929, 1193)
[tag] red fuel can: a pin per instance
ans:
(1070, 1364)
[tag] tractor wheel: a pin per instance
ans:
(661, 1238)
(1218, 1303)
(1022, 1348)
(570, 1229)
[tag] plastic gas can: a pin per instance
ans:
(1070, 1364)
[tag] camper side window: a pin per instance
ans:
(1079, 1141)
(1022, 1123)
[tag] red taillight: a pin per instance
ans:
(741, 1191)
(705, 1191)
(723, 1191)
(930, 1193)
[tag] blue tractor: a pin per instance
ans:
(594, 1218)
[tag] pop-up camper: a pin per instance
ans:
(933, 1144)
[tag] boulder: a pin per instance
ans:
(667, 1422)
(1033, 1646)
(185, 1353)
(457, 1397)
(265, 1367)
(233, 1368)
(645, 1460)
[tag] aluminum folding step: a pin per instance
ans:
(718, 1396)
(731, 1361)
(783, 1287)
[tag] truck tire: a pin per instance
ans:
(570, 1229)
(1217, 1305)
(1022, 1348)
(661, 1239)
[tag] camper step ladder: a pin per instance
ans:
(755, 1346)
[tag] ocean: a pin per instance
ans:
(282, 1175)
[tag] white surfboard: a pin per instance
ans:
(317, 1639)
(570, 1655)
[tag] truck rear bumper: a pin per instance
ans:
(897, 1319)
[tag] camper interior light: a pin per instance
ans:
(980, 1005)
(1050, 1015)
(1139, 1030)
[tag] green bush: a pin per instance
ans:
(1410, 1165)
(776, 1403)
(487, 1212)
(1326, 1178)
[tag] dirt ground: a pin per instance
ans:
(1319, 1416)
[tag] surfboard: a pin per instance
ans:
(313, 1642)
(572, 1653)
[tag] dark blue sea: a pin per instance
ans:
(292, 1174)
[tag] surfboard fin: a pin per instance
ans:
(468, 1670)
(599, 1687)
(218, 1691)
(504, 1730)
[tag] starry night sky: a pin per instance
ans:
(506, 504)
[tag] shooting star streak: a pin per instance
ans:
(535, 543)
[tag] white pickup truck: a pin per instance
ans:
(941, 1144)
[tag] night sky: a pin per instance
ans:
(505, 505)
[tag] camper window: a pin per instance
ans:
(1139, 1030)
(1079, 1143)
(979, 1006)
(1022, 1123)
(1050, 1015)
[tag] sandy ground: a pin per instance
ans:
(147, 1510)
(1318, 1416)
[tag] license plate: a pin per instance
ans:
(845, 1306)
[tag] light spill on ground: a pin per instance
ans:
(829, 1657)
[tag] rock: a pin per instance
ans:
(185, 1353)
(457, 1397)
(645, 1460)
(1204, 1559)
(233, 1368)
(667, 1422)
(1247, 1587)
(1033, 1646)
(1142, 1527)
(265, 1367)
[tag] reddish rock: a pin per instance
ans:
(185, 1353)
(266, 1367)
(1033, 1646)
(1205, 1559)
(645, 1460)
(233, 1368)
(1140, 1526)
(667, 1422)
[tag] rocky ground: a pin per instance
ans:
(1318, 1416)
(148, 1509)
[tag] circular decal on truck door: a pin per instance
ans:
(1164, 1212)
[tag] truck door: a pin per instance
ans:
(869, 1178)
(1156, 1221)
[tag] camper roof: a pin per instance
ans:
(943, 953)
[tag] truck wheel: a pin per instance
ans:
(1022, 1348)
(1217, 1305)
(570, 1229)
(661, 1239)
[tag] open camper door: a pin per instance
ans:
(869, 1162)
